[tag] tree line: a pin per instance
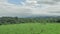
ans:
(16, 20)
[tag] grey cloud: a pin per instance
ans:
(50, 2)
(54, 12)
(23, 12)
(7, 9)
(56, 0)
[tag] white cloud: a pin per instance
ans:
(30, 7)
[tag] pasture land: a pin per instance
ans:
(31, 28)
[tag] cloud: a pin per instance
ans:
(29, 8)
(7, 9)
(50, 2)
(56, 0)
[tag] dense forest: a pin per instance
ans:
(16, 20)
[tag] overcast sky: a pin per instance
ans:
(29, 7)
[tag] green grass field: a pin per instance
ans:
(30, 28)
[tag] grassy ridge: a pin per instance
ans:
(31, 28)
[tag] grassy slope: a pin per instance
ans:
(33, 28)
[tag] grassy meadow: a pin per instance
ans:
(30, 28)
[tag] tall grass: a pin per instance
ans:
(30, 28)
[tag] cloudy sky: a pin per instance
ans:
(29, 7)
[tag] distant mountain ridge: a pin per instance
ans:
(42, 17)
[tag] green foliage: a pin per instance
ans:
(16, 20)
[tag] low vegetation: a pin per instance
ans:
(30, 28)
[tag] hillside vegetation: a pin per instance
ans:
(34, 25)
(16, 20)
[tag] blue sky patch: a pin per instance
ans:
(17, 2)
